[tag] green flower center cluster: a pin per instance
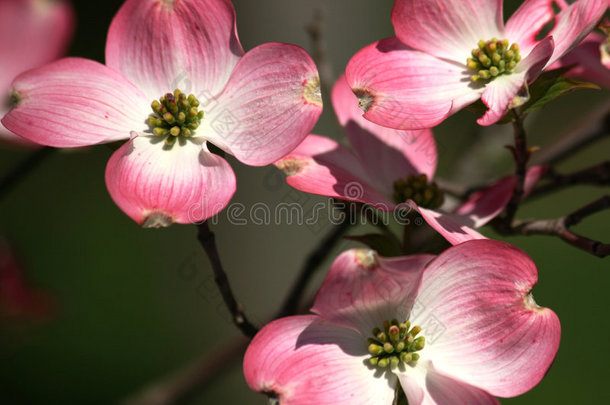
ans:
(493, 58)
(417, 188)
(175, 115)
(394, 345)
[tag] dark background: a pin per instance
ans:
(135, 304)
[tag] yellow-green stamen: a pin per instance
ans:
(175, 115)
(417, 188)
(493, 58)
(396, 344)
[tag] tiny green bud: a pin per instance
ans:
(388, 347)
(383, 363)
(375, 349)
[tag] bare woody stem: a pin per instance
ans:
(208, 242)
(561, 227)
(595, 175)
(521, 156)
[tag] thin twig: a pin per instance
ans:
(598, 174)
(23, 169)
(591, 128)
(192, 378)
(521, 156)
(314, 260)
(561, 227)
(208, 241)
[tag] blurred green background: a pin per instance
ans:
(135, 305)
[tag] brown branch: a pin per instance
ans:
(561, 227)
(208, 241)
(188, 380)
(521, 156)
(595, 175)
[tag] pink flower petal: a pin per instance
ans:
(76, 102)
(162, 45)
(406, 89)
(574, 23)
(533, 175)
(387, 154)
(32, 33)
(271, 103)
(486, 204)
(455, 228)
(480, 321)
(447, 29)
(44, 29)
(588, 62)
(157, 187)
(321, 166)
(501, 91)
(305, 361)
(427, 386)
(362, 290)
(525, 23)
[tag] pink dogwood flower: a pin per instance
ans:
(176, 80)
(460, 328)
(32, 33)
(448, 54)
(390, 170)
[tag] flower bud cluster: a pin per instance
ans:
(175, 115)
(394, 345)
(493, 58)
(417, 188)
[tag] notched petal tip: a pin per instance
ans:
(290, 166)
(366, 98)
(531, 304)
(367, 258)
(272, 397)
(168, 4)
(158, 220)
(312, 91)
(14, 99)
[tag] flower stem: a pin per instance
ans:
(521, 156)
(208, 242)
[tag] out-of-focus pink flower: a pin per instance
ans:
(459, 329)
(389, 169)
(32, 33)
(591, 59)
(257, 106)
(448, 54)
(18, 299)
